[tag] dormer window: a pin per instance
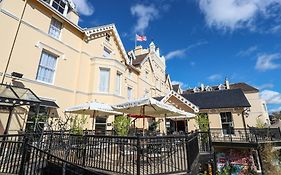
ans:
(60, 5)
(107, 37)
(196, 89)
(106, 52)
(221, 87)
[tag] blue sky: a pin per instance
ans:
(204, 41)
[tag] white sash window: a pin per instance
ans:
(55, 28)
(47, 66)
(118, 84)
(104, 80)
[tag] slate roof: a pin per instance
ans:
(176, 87)
(139, 59)
(243, 86)
(217, 99)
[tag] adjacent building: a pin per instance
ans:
(43, 48)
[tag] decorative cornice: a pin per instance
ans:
(182, 99)
(100, 31)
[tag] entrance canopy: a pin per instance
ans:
(17, 96)
(149, 107)
(92, 107)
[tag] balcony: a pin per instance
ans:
(246, 136)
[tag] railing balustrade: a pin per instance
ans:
(248, 135)
(35, 154)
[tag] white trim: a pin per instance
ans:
(92, 31)
(55, 69)
(98, 87)
(61, 29)
(182, 99)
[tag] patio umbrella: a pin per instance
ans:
(94, 108)
(149, 107)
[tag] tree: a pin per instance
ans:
(276, 115)
(121, 125)
(202, 121)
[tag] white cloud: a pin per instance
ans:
(265, 62)
(233, 14)
(180, 53)
(265, 86)
(215, 77)
(182, 85)
(271, 97)
(176, 54)
(275, 109)
(145, 15)
(247, 52)
(84, 7)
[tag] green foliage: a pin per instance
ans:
(153, 126)
(276, 115)
(121, 125)
(260, 124)
(202, 121)
(77, 124)
(269, 158)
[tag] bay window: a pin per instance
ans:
(118, 84)
(104, 80)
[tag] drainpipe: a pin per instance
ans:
(14, 42)
(244, 124)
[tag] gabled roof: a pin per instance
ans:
(101, 31)
(176, 87)
(167, 78)
(139, 59)
(183, 100)
(218, 99)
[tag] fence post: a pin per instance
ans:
(84, 150)
(24, 156)
(138, 154)
(187, 153)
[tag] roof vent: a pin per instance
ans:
(221, 87)
(208, 88)
(196, 89)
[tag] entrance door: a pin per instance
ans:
(100, 125)
(180, 126)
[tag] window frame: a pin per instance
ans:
(230, 129)
(58, 6)
(131, 90)
(108, 51)
(108, 85)
(118, 91)
(54, 69)
(60, 33)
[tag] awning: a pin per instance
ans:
(49, 103)
(149, 107)
(17, 96)
(92, 107)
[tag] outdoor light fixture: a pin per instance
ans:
(17, 75)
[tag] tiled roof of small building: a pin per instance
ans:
(139, 59)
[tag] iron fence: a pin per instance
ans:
(246, 135)
(57, 153)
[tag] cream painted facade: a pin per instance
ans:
(80, 55)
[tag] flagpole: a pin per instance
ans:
(135, 41)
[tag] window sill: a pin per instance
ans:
(43, 82)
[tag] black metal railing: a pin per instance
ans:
(57, 153)
(246, 135)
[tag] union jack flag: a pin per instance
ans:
(140, 37)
